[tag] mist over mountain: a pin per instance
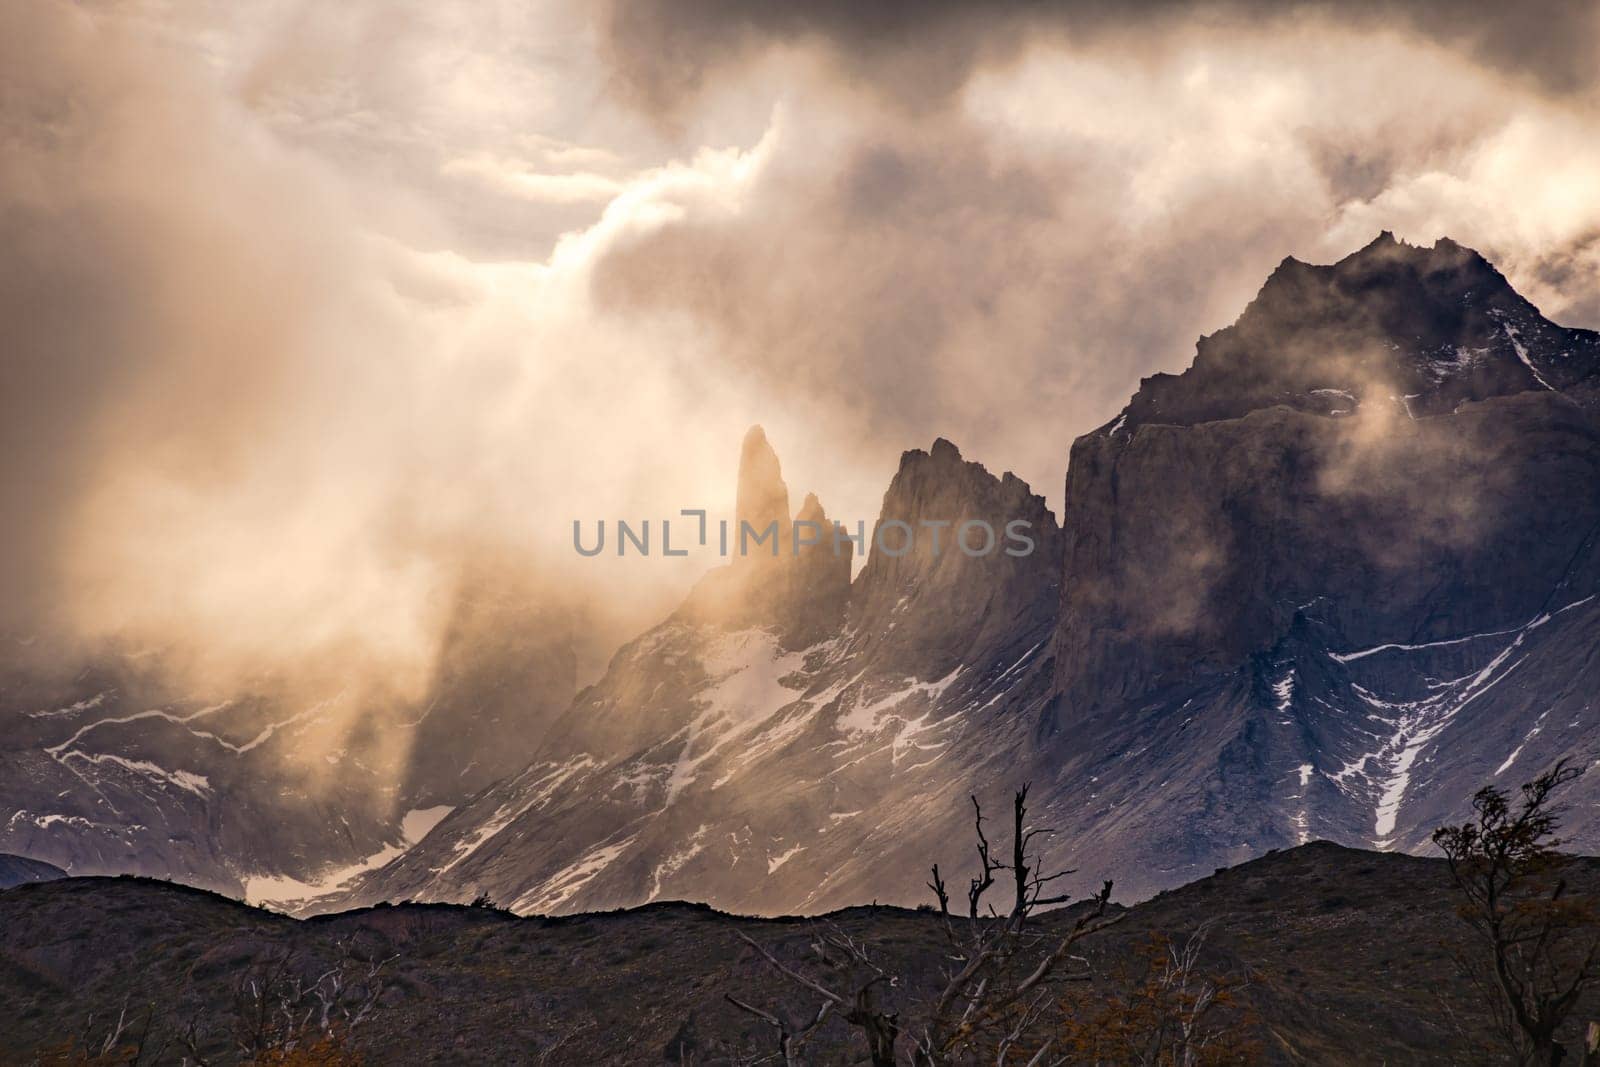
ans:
(742, 531)
(114, 766)
(1323, 584)
(726, 746)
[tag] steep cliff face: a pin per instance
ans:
(1385, 442)
(1191, 547)
(986, 550)
(1296, 575)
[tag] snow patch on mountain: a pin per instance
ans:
(545, 780)
(748, 670)
(418, 821)
(552, 893)
(1302, 820)
(774, 862)
(280, 891)
(1414, 724)
(866, 718)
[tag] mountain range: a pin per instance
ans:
(1324, 584)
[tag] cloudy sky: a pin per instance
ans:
(306, 305)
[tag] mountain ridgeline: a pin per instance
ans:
(1323, 584)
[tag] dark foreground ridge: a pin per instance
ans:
(1340, 956)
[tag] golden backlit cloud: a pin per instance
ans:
(308, 307)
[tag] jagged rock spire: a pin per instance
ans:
(802, 591)
(762, 498)
(908, 600)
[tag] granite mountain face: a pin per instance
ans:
(1337, 575)
(1325, 583)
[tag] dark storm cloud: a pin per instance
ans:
(919, 278)
(920, 50)
(1005, 270)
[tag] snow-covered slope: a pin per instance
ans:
(109, 768)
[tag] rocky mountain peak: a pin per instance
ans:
(1396, 290)
(801, 589)
(819, 576)
(926, 557)
(762, 498)
(1260, 623)
(1425, 329)
(1228, 496)
(811, 510)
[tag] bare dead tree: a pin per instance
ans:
(1190, 1018)
(859, 1007)
(997, 985)
(1193, 997)
(791, 1037)
(126, 1039)
(347, 993)
(115, 1033)
(1540, 942)
(283, 1003)
(256, 998)
(571, 1034)
(1159, 1009)
(1000, 963)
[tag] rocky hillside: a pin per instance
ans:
(14, 870)
(1341, 957)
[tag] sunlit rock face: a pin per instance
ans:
(762, 497)
(791, 573)
(786, 740)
